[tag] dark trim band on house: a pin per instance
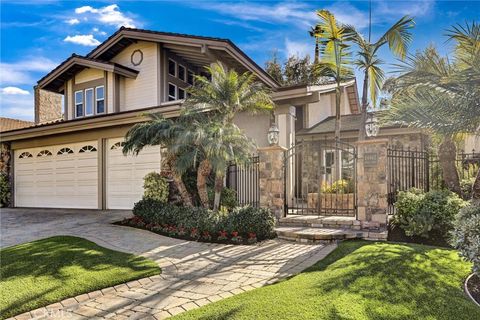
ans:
(55, 79)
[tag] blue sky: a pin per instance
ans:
(37, 35)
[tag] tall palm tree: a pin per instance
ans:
(442, 95)
(218, 100)
(334, 56)
(398, 38)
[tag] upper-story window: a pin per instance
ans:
(190, 77)
(182, 72)
(100, 99)
(172, 92)
(90, 101)
(79, 104)
(172, 67)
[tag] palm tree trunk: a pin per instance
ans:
(203, 172)
(218, 190)
(182, 189)
(362, 134)
(476, 190)
(447, 152)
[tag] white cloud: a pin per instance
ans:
(397, 9)
(14, 91)
(20, 72)
(84, 40)
(300, 14)
(73, 21)
(110, 15)
(14, 106)
(348, 14)
(297, 48)
(96, 30)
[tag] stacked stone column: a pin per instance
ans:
(372, 183)
(272, 179)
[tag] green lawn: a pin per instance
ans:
(360, 280)
(41, 272)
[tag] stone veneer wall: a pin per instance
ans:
(372, 183)
(5, 166)
(271, 179)
(48, 106)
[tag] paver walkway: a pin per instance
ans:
(193, 273)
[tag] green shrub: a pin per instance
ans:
(466, 186)
(4, 191)
(148, 209)
(228, 198)
(249, 219)
(419, 213)
(466, 235)
(155, 187)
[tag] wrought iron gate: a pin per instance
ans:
(320, 178)
(244, 179)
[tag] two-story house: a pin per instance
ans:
(71, 157)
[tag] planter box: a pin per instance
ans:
(331, 200)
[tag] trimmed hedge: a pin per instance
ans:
(241, 223)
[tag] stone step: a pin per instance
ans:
(315, 221)
(313, 235)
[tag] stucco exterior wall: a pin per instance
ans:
(325, 107)
(472, 142)
(254, 126)
(141, 92)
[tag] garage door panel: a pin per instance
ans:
(64, 179)
(125, 174)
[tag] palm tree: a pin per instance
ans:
(334, 62)
(442, 95)
(398, 38)
(163, 132)
(218, 100)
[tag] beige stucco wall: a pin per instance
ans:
(254, 126)
(110, 92)
(88, 75)
(141, 92)
(325, 107)
(472, 142)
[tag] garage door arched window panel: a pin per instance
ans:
(64, 151)
(44, 153)
(118, 145)
(25, 155)
(86, 149)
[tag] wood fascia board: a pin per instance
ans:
(93, 123)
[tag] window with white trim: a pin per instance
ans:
(25, 155)
(85, 149)
(182, 73)
(44, 153)
(64, 151)
(78, 104)
(100, 99)
(190, 77)
(181, 93)
(89, 101)
(172, 67)
(172, 92)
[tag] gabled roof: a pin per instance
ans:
(7, 124)
(56, 78)
(203, 49)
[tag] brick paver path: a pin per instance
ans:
(193, 273)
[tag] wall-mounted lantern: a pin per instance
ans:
(273, 135)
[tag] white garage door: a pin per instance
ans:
(125, 173)
(63, 176)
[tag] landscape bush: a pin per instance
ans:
(155, 187)
(4, 190)
(197, 222)
(341, 186)
(228, 198)
(466, 187)
(419, 213)
(465, 236)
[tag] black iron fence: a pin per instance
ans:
(409, 168)
(244, 179)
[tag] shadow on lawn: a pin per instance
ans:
(413, 280)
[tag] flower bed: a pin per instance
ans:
(243, 225)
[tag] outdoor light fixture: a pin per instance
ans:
(371, 125)
(273, 134)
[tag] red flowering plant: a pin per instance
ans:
(194, 233)
(206, 236)
(165, 227)
(157, 228)
(236, 237)
(172, 230)
(252, 237)
(222, 235)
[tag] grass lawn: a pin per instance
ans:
(41, 272)
(360, 280)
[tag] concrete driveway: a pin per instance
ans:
(193, 273)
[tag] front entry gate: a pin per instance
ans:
(320, 178)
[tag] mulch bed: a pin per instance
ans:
(397, 234)
(132, 222)
(473, 286)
